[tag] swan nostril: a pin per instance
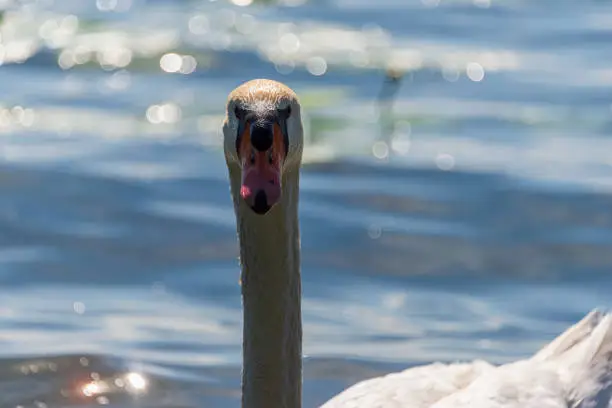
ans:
(260, 204)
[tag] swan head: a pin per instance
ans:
(263, 137)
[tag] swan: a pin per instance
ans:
(263, 143)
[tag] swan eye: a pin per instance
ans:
(240, 115)
(285, 113)
(239, 112)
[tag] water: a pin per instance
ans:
(469, 219)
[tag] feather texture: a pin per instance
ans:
(573, 371)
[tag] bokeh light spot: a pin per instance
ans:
(374, 231)
(289, 43)
(66, 60)
(166, 113)
(482, 3)
(136, 381)
(285, 67)
(475, 71)
(106, 5)
(171, 62)
(199, 25)
(175, 63)
(317, 66)
(450, 74)
(380, 150)
(90, 389)
(445, 162)
(431, 3)
(188, 64)
(79, 307)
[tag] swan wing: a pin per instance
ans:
(573, 371)
(417, 387)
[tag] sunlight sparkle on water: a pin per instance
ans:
(136, 381)
(445, 161)
(430, 3)
(106, 5)
(317, 66)
(242, 3)
(120, 80)
(114, 5)
(170, 62)
(475, 71)
(199, 24)
(289, 43)
(451, 74)
(92, 388)
(284, 67)
(116, 57)
(166, 113)
(401, 146)
(293, 3)
(380, 150)
(482, 3)
(79, 307)
(374, 231)
(132, 382)
(175, 63)
(56, 31)
(15, 116)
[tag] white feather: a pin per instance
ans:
(573, 371)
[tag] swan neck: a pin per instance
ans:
(271, 292)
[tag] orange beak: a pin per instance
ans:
(261, 153)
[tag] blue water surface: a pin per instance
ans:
(459, 212)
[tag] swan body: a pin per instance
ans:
(263, 141)
(573, 371)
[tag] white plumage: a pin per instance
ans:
(573, 371)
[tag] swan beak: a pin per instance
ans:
(261, 153)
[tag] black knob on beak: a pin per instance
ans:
(262, 134)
